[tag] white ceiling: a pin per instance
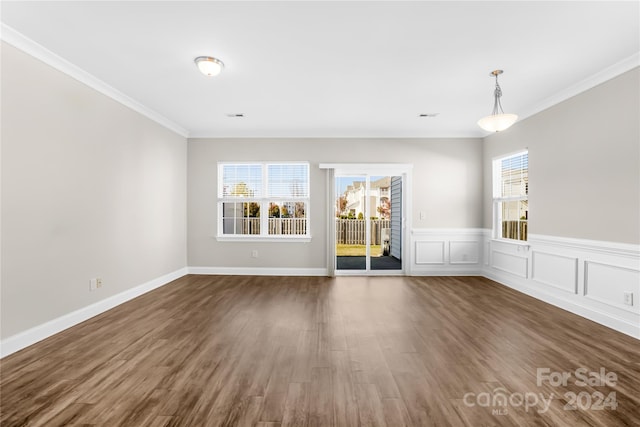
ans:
(337, 69)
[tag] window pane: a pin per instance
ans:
(282, 189)
(241, 218)
(514, 219)
(288, 218)
(288, 180)
(514, 176)
(511, 191)
(241, 180)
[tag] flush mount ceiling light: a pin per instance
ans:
(498, 120)
(209, 66)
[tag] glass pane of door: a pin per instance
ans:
(350, 211)
(385, 198)
(368, 217)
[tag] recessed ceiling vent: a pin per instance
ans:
(235, 115)
(428, 114)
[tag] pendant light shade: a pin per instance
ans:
(209, 66)
(498, 120)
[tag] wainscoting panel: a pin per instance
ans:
(464, 252)
(447, 251)
(554, 270)
(608, 283)
(430, 252)
(596, 280)
(510, 263)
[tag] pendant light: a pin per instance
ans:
(498, 120)
(209, 66)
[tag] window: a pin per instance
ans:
(259, 200)
(511, 196)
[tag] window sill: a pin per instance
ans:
(288, 239)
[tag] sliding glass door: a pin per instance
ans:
(368, 223)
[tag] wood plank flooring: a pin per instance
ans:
(313, 351)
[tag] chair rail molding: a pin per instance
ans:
(586, 277)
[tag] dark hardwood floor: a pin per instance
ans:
(350, 351)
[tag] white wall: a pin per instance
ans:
(447, 187)
(90, 189)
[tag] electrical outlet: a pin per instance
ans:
(628, 298)
(254, 253)
(95, 284)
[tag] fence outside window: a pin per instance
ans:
(352, 231)
(515, 229)
(277, 226)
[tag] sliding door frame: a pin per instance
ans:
(369, 169)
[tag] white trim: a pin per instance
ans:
(331, 224)
(565, 247)
(373, 169)
(20, 41)
(576, 300)
(369, 273)
(612, 248)
(524, 275)
(439, 248)
(471, 262)
(590, 82)
(440, 262)
(590, 313)
(535, 278)
(257, 271)
(448, 231)
(263, 200)
(587, 286)
(367, 168)
(447, 272)
(498, 198)
(519, 243)
(291, 134)
(271, 238)
(38, 333)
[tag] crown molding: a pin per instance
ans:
(19, 41)
(590, 82)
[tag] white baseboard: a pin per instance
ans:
(448, 272)
(38, 333)
(585, 277)
(258, 271)
(606, 319)
(572, 274)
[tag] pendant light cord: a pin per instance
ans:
(497, 105)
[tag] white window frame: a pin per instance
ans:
(263, 201)
(498, 199)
